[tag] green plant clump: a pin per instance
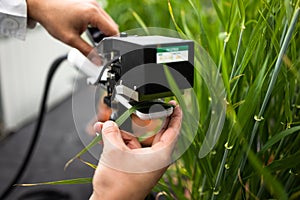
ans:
(255, 45)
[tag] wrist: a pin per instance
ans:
(110, 184)
(34, 8)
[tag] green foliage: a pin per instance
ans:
(255, 45)
(61, 182)
(95, 141)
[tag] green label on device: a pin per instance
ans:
(172, 54)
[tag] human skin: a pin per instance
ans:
(110, 183)
(66, 20)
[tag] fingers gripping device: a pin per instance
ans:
(132, 70)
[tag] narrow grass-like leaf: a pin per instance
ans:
(236, 78)
(88, 163)
(61, 182)
(272, 184)
(245, 187)
(290, 162)
(237, 52)
(186, 29)
(274, 77)
(257, 32)
(251, 47)
(193, 6)
(270, 29)
(141, 22)
(98, 138)
(277, 137)
(247, 109)
(233, 18)
(125, 115)
(242, 10)
(219, 12)
(173, 19)
(176, 91)
(203, 36)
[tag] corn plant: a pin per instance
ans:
(255, 45)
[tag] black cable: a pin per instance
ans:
(54, 66)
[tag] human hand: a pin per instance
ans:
(66, 20)
(127, 171)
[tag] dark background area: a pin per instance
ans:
(59, 141)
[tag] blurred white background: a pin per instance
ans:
(23, 69)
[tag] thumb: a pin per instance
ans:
(77, 42)
(112, 136)
(85, 48)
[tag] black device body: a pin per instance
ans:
(144, 55)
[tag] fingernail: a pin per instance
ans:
(108, 124)
(173, 102)
(96, 60)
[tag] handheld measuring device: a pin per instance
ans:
(132, 70)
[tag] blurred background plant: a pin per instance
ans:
(255, 45)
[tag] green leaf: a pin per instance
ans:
(193, 6)
(141, 22)
(125, 115)
(173, 18)
(97, 139)
(272, 184)
(88, 163)
(219, 12)
(186, 29)
(176, 91)
(203, 35)
(254, 39)
(277, 137)
(289, 162)
(242, 10)
(248, 107)
(61, 182)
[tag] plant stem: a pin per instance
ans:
(203, 183)
(221, 170)
(237, 51)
